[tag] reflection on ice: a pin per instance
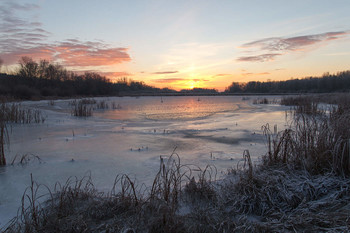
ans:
(130, 138)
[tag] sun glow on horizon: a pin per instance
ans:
(191, 84)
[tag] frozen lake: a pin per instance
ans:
(206, 130)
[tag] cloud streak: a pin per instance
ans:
(255, 74)
(260, 58)
(176, 80)
(20, 37)
(221, 75)
(80, 53)
(277, 46)
(166, 72)
(115, 74)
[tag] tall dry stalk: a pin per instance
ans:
(4, 138)
(317, 140)
(82, 108)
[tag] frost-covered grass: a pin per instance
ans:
(81, 108)
(85, 107)
(317, 141)
(17, 114)
(264, 198)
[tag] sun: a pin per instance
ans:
(191, 84)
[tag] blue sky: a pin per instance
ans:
(181, 44)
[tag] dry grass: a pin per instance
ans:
(17, 114)
(25, 159)
(4, 137)
(102, 104)
(317, 141)
(270, 198)
(82, 108)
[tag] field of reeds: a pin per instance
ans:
(15, 113)
(82, 108)
(301, 185)
(85, 107)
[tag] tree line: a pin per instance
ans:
(34, 80)
(338, 82)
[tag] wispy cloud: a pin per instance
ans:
(167, 80)
(104, 73)
(116, 74)
(255, 74)
(71, 54)
(79, 53)
(276, 46)
(166, 72)
(176, 80)
(221, 75)
(22, 37)
(17, 32)
(259, 58)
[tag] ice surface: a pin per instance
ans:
(215, 130)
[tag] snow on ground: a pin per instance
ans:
(130, 139)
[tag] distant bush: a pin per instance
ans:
(25, 92)
(47, 91)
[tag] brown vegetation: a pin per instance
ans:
(15, 113)
(81, 108)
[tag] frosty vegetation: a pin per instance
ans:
(301, 185)
(14, 114)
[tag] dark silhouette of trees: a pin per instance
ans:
(338, 82)
(199, 91)
(43, 79)
(35, 80)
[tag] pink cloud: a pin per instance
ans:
(89, 54)
(286, 45)
(294, 43)
(259, 58)
(220, 75)
(116, 74)
(72, 54)
(19, 37)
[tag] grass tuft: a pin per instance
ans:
(81, 108)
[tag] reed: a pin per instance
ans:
(261, 101)
(17, 114)
(4, 138)
(51, 103)
(317, 141)
(25, 159)
(102, 104)
(80, 108)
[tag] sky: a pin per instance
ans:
(180, 44)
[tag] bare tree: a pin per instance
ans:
(1, 63)
(28, 68)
